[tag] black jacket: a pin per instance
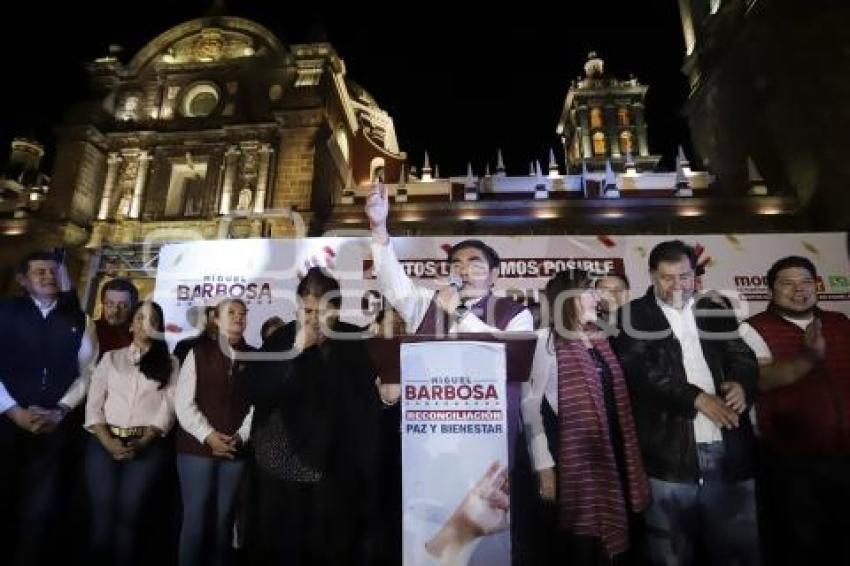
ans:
(326, 394)
(663, 400)
(330, 408)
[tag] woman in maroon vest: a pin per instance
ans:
(577, 383)
(215, 420)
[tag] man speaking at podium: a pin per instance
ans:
(466, 304)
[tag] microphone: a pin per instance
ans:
(456, 282)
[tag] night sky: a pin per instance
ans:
(457, 83)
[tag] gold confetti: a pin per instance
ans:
(736, 243)
(811, 249)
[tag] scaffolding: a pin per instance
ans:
(132, 260)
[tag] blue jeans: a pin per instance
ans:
(208, 487)
(32, 491)
(117, 491)
(714, 517)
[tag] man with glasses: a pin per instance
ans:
(802, 415)
(691, 390)
(465, 303)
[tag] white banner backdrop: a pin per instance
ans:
(454, 454)
(264, 273)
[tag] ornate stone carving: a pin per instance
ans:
(210, 45)
(123, 209)
(245, 197)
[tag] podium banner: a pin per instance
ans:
(454, 454)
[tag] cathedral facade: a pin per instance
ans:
(216, 129)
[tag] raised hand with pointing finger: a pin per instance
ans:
(377, 211)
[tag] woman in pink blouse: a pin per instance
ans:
(129, 409)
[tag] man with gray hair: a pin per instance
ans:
(692, 389)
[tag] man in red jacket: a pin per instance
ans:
(804, 355)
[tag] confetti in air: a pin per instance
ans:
(325, 259)
(606, 241)
(811, 248)
(703, 259)
(736, 243)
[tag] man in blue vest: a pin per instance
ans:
(47, 346)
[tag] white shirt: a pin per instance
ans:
(412, 301)
(543, 383)
(121, 395)
(758, 345)
(684, 327)
(86, 358)
(762, 351)
(189, 415)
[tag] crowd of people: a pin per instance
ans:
(660, 430)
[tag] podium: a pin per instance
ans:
(460, 422)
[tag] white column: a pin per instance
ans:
(141, 179)
(263, 178)
(687, 26)
(112, 163)
(230, 157)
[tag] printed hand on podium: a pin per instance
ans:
(484, 511)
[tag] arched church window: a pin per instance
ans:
(376, 169)
(595, 117)
(626, 142)
(599, 145)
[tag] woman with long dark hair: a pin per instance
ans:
(129, 409)
(590, 463)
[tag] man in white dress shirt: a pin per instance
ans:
(691, 388)
(474, 270)
(466, 303)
